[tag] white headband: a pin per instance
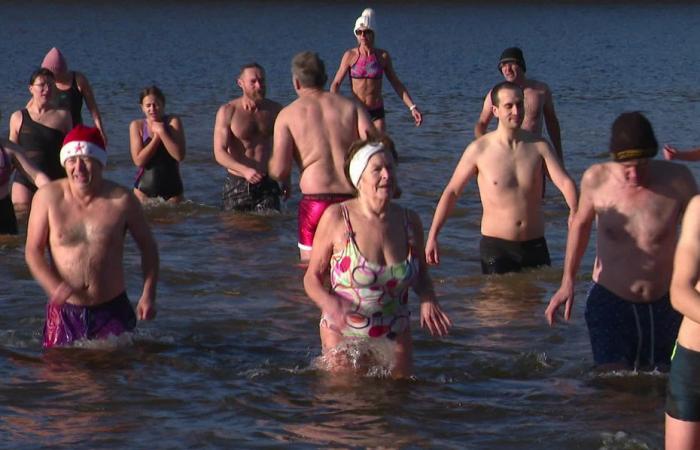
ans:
(361, 158)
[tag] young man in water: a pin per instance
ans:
(243, 143)
(508, 164)
(539, 106)
(637, 203)
(82, 221)
(316, 131)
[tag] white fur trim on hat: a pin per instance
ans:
(83, 148)
(359, 161)
(366, 21)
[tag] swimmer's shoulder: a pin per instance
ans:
(596, 175)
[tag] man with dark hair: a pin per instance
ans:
(538, 100)
(508, 164)
(637, 203)
(243, 143)
(316, 130)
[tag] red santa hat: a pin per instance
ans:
(84, 141)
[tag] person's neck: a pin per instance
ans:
(310, 91)
(509, 136)
(373, 208)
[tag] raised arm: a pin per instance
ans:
(431, 315)
(141, 153)
(342, 72)
(685, 296)
(138, 228)
(671, 153)
(24, 165)
(576, 243)
(485, 117)
(172, 136)
(85, 89)
(465, 170)
(401, 90)
(552, 123)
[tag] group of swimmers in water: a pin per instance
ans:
(364, 251)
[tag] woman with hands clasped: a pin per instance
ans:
(373, 251)
(157, 147)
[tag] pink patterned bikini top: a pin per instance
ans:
(367, 66)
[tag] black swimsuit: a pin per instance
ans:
(160, 177)
(71, 100)
(43, 147)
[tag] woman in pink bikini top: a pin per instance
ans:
(371, 251)
(366, 66)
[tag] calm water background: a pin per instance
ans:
(229, 360)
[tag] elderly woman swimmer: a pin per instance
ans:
(367, 65)
(373, 251)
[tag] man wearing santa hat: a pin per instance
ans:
(82, 221)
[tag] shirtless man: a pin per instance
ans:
(316, 130)
(243, 142)
(72, 88)
(683, 396)
(637, 203)
(538, 101)
(508, 164)
(82, 220)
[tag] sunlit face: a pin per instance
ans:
(152, 108)
(252, 83)
(365, 36)
(82, 171)
(511, 108)
(379, 177)
(635, 171)
(511, 71)
(42, 88)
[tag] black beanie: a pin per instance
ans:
(512, 54)
(632, 137)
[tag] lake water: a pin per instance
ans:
(229, 362)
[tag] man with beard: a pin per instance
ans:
(243, 142)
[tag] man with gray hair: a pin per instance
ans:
(316, 130)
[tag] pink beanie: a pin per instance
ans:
(84, 141)
(55, 62)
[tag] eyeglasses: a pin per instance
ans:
(42, 86)
(363, 32)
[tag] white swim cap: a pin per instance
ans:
(359, 161)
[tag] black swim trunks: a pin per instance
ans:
(503, 256)
(239, 195)
(376, 113)
(683, 390)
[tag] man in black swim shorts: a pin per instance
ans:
(243, 144)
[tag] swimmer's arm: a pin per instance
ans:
(24, 165)
(576, 243)
(15, 124)
(319, 262)
(229, 151)
(560, 178)
(432, 317)
(140, 153)
(280, 164)
(552, 123)
(685, 297)
(342, 71)
(174, 138)
(365, 126)
(86, 90)
(485, 117)
(401, 90)
(138, 228)
(671, 153)
(35, 250)
(465, 170)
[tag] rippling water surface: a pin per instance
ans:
(230, 360)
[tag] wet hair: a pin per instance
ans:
(154, 91)
(41, 72)
(252, 65)
(503, 85)
(357, 145)
(309, 69)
